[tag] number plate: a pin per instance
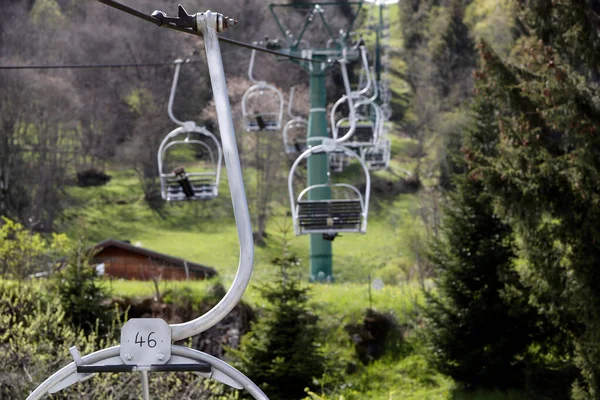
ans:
(145, 341)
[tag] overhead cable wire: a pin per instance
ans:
(158, 22)
(88, 66)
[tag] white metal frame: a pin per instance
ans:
(188, 128)
(209, 23)
(329, 146)
(353, 117)
(295, 122)
(167, 177)
(220, 371)
(378, 156)
(259, 89)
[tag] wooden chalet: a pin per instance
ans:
(117, 259)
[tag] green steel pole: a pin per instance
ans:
(320, 249)
(377, 45)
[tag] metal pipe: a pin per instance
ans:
(177, 63)
(251, 67)
(208, 23)
(365, 64)
(291, 102)
(351, 114)
(145, 386)
(182, 351)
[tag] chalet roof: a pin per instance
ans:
(175, 261)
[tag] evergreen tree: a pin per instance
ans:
(281, 352)
(545, 180)
(479, 326)
(86, 301)
(483, 330)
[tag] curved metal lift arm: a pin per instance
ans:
(178, 63)
(290, 104)
(352, 114)
(209, 23)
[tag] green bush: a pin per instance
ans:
(35, 336)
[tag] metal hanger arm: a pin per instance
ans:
(208, 21)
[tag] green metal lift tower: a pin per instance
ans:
(335, 47)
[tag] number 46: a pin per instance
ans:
(139, 339)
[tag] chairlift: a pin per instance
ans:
(386, 111)
(378, 156)
(197, 179)
(295, 130)
(345, 211)
(338, 161)
(189, 158)
(366, 127)
(361, 128)
(364, 132)
(262, 104)
(159, 354)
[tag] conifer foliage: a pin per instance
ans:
(86, 301)
(476, 334)
(281, 353)
(545, 173)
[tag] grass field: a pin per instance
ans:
(205, 232)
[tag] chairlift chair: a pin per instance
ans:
(294, 135)
(338, 161)
(363, 132)
(186, 145)
(262, 104)
(356, 130)
(179, 184)
(295, 131)
(378, 156)
(345, 211)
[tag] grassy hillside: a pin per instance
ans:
(204, 232)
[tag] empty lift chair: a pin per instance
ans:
(361, 127)
(262, 104)
(181, 184)
(338, 160)
(378, 156)
(295, 130)
(345, 211)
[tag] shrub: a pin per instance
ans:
(92, 177)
